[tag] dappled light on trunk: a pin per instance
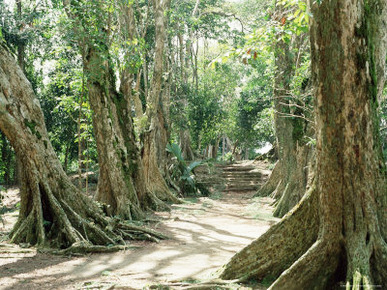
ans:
(53, 213)
(350, 183)
(144, 127)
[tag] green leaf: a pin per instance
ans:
(176, 151)
(193, 165)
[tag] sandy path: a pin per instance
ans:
(205, 234)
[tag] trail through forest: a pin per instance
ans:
(205, 233)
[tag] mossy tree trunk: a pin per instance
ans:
(162, 135)
(121, 184)
(117, 151)
(155, 120)
(288, 180)
(53, 212)
(348, 40)
(185, 53)
(130, 34)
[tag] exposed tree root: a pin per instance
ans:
(271, 184)
(313, 270)
(53, 213)
(154, 180)
(291, 255)
(379, 262)
(277, 249)
(325, 265)
(65, 219)
(84, 248)
(152, 201)
(141, 230)
(288, 182)
(295, 184)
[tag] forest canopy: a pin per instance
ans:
(111, 111)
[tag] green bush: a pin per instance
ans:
(184, 173)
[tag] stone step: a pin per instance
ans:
(210, 182)
(242, 188)
(244, 183)
(242, 174)
(238, 169)
(241, 178)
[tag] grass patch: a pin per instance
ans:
(207, 204)
(216, 195)
(255, 211)
(191, 200)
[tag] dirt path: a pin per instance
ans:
(206, 232)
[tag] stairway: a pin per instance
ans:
(242, 177)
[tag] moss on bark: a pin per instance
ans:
(350, 249)
(53, 212)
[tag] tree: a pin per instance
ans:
(195, 22)
(338, 232)
(155, 123)
(121, 185)
(52, 212)
(288, 180)
(253, 108)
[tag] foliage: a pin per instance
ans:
(208, 109)
(183, 172)
(229, 99)
(211, 21)
(383, 123)
(53, 69)
(254, 116)
(64, 98)
(7, 163)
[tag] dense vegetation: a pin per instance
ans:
(142, 92)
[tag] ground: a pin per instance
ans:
(205, 233)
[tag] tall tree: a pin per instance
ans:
(338, 232)
(288, 180)
(52, 212)
(121, 183)
(154, 133)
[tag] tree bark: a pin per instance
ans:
(215, 149)
(149, 155)
(288, 180)
(121, 185)
(52, 212)
(185, 135)
(127, 77)
(348, 40)
(185, 144)
(122, 188)
(267, 257)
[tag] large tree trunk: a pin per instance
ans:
(288, 180)
(121, 185)
(162, 137)
(293, 183)
(127, 78)
(52, 212)
(153, 176)
(116, 156)
(215, 149)
(348, 55)
(267, 257)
